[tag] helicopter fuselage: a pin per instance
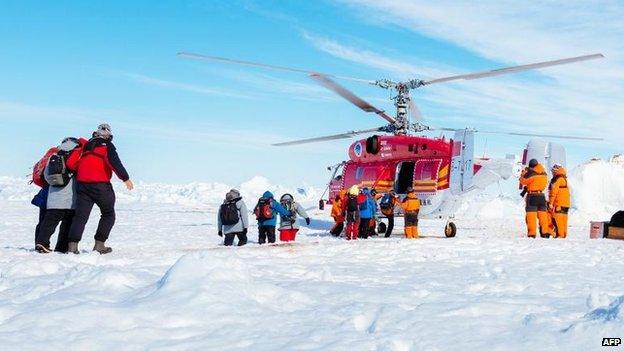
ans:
(396, 163)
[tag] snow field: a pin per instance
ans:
(169, 285)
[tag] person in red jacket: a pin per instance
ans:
(94, 167)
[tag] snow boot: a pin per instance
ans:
(101, 248)
(72, 247)
(42, 249)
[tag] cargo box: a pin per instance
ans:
(616, 233)
(598, 230)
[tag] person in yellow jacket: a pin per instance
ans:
(411, 207)
(535, 180)
(559, 201)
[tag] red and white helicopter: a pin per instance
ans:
(440, 170)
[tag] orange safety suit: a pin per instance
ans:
(411, 206)
(559, 201)
(338, 212)
(535, 180)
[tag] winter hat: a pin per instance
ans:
(287, 198)
(103, 131)
(354, 190)
(68, 144)
(533, 163)
(267, 195)
(232, 194)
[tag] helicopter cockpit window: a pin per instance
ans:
(358, 173)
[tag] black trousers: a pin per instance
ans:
(266, 232)
(364, 229)
(102, 195)
(42, 211)
(390, 226)
(337, 229)
(50, 221)
(229, 239)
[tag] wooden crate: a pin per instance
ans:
(616, 233)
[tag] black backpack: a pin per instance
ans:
(229, 213)
(58, 174)
(352, 204)
(386, 202)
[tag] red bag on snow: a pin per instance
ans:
(39, 167)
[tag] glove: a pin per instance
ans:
(245, 231)
(220, 233)
(307, 221)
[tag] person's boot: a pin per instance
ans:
(40, 248)
(72, 247)
(101, 248)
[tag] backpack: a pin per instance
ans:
(263, 210)
(364, 202)
(58, 174)
(39, 168)
(229, 213)
(352, 204)
(386, 202)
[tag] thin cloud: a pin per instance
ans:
(199, 89)
(563, 103)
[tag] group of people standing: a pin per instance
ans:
(355, 211)
(73, 178)
(233, 218)
(551, 213)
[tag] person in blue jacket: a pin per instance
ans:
(368, 209)
(266, 213)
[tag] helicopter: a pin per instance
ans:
(397, 156)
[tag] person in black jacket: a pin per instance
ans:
(94, 167)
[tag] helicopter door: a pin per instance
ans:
(462, 167)
(404, 176)
(426, 175)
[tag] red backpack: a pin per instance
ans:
(39, 168)
(263, 210)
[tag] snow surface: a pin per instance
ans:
(169, 284)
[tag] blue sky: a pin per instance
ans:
(68, 65)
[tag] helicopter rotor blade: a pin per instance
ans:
(348, 95)
(264, 65)
(522, 134)
(414, 111)
(346, 135)
(513, 69)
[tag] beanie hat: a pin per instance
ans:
(68, 144)
(103, 131)
(354, 190)
(533, 163)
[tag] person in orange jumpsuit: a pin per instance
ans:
(559, 201)
(411, 207)
(338, 213)
(535, 180)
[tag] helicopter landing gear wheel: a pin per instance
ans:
(450, 230)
